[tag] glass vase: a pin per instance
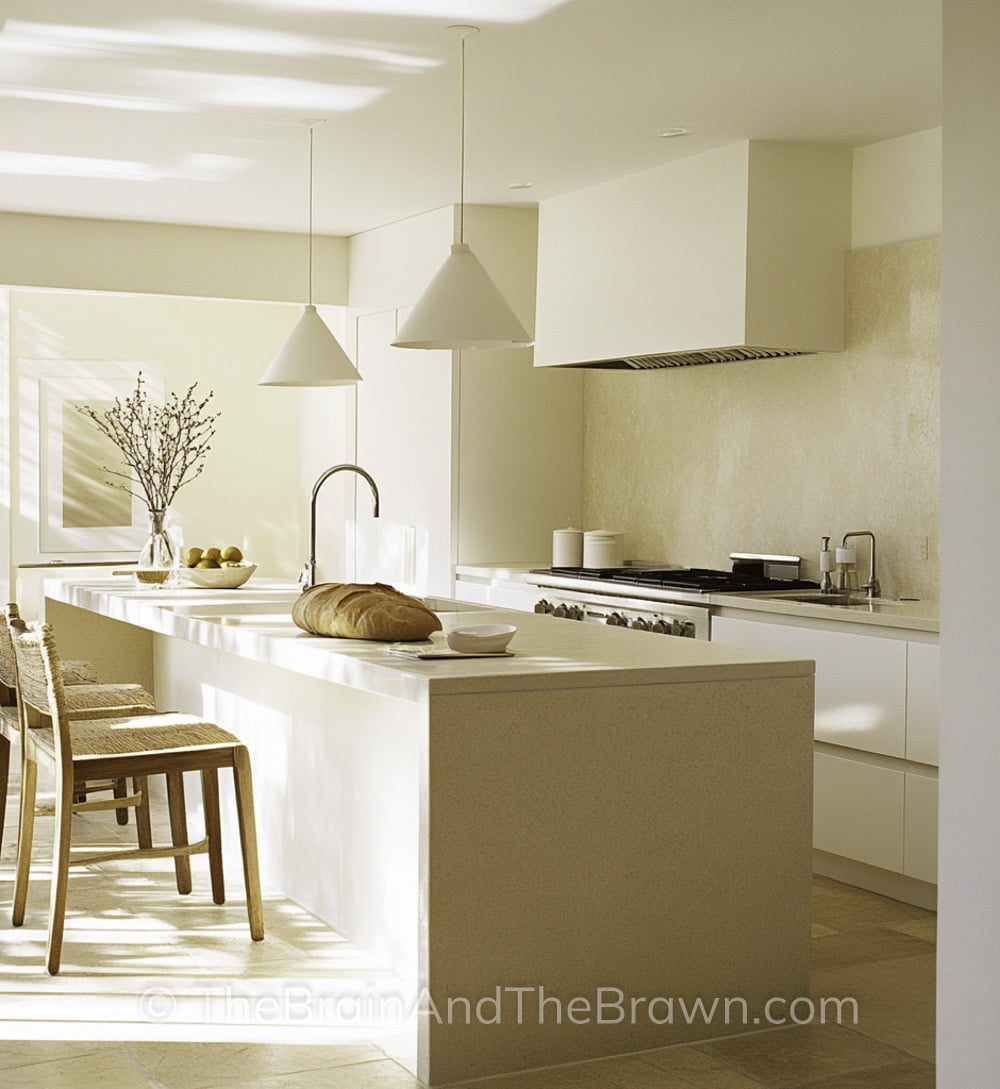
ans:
(159, 552)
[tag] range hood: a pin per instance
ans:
(735, 254)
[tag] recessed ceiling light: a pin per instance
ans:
(678, 130)
(520, 185)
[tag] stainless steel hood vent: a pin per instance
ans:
(687, 359)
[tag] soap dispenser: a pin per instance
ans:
(825, 568)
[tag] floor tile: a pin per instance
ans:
(788, 1057)
(863, 945)
(204, 1065)
(914, 1074)
(896, 1000)
(843, 907)
(97, 1071)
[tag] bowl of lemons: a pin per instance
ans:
(216, 568)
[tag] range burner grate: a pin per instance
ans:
(697, 580)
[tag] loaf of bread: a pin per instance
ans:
(353, 610)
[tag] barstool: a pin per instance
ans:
(82, 693)
(119, 747)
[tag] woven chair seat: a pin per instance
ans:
(79, 672)
(135, 735)
(89, 697)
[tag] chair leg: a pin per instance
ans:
(178, 829)
(4, 780)
(248, 840)
(60, 876)
(121, 789)
(25, 834)
(143, 828)
(213, 831)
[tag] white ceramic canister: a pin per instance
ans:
(603, 548)
(567, 548)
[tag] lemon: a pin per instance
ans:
(232, 554)
(192, 556)
(212, 554)
(207, 563)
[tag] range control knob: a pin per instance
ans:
(662, 627)
(640, 624)
(543, 606)
(688, 630)
(560, 611)
(574, 612)
(615, 620)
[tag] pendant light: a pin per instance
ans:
(311, 355)
(462, 307)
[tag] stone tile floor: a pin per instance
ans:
(145, 999)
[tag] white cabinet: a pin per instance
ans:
(920, 830)
(858, 811)
(875, 785)
(923, 706)
(860, 680)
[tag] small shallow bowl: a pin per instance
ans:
(481, 638)
(218, 578)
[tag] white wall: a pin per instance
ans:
(969, 903)
(154, 258)
(250, 492)
(897, 189)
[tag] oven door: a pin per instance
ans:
(657, 617)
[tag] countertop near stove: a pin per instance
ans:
(884, 612)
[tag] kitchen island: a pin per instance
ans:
(555, 855)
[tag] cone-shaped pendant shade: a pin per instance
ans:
(462, 308)
(311, 357)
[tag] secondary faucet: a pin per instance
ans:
(309, 573)
(871, 587)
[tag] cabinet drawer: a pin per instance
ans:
(860, 680)
(920, 842)
(858, 811)
(923, 682)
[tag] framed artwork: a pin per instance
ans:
(69, 489)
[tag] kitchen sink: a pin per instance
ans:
(853, 601)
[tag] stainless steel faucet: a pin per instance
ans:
(309, 573)
(871, 587)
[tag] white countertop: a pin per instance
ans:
(885, 612)
(254, 622)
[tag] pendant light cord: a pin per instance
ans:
(312, 129)
(461, 145)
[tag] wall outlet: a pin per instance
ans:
(923, 547)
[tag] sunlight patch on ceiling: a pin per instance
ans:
(167, 36)
(91, 98)
(192, 167)
(479, 11)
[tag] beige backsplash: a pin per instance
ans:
(769, 456)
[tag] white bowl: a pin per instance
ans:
(481, 638)
(218, 578)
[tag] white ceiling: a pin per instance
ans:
(198, 111)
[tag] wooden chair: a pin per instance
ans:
(132, 747)
(82, 692)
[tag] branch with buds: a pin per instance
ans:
(163, 446)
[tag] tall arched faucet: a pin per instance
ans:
(309, 574)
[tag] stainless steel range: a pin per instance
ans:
(659, 598)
